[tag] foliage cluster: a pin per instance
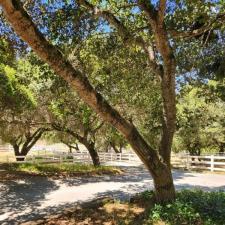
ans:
(191, 207)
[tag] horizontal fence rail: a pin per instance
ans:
(205, 162)
(82, 157)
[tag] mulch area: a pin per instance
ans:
(104, 211)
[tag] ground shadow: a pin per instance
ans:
(23, 195)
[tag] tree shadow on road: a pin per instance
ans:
(23, 195)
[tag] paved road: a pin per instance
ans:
(33, 197)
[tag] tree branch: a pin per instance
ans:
(161, 11)
(149, 10)
(19, 140)
(31, 141)
(67, 130)
(35, 139)
(196, 32)
(124, 33)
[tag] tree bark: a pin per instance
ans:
(93, 153)
(17, 153)
(26, 29)
(90, 146)
(116, 150)
(164, 187)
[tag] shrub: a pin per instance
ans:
(191, 207)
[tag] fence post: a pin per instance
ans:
(111, 157)
(212, 163)
(120, 157)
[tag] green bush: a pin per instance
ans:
(191, 207)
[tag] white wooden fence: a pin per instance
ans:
(83, 157)
(205, 162)
(210, 162)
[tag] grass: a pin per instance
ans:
(59, 169)
(192, 207)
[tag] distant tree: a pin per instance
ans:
(19, 114)
(21, 124)
(72, 117)
(200, 114)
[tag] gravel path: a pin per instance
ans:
(34, 197)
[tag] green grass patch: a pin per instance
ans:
(60, 168)
(191, 207)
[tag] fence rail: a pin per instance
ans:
(205, 162)
(210, 162)
(72, 157)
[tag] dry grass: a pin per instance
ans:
(54, 170)
(99, 212)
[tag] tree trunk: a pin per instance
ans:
(20, 159)
(164, 187)
(160, 171)
(221, 148)
(121, 148)
(93, 153)
(18, 154)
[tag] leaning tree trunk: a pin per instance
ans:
(116, 150)
(18, 154)
(26, 29)
(93, 153)
(90, 146)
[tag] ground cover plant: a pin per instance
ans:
(191, 207)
